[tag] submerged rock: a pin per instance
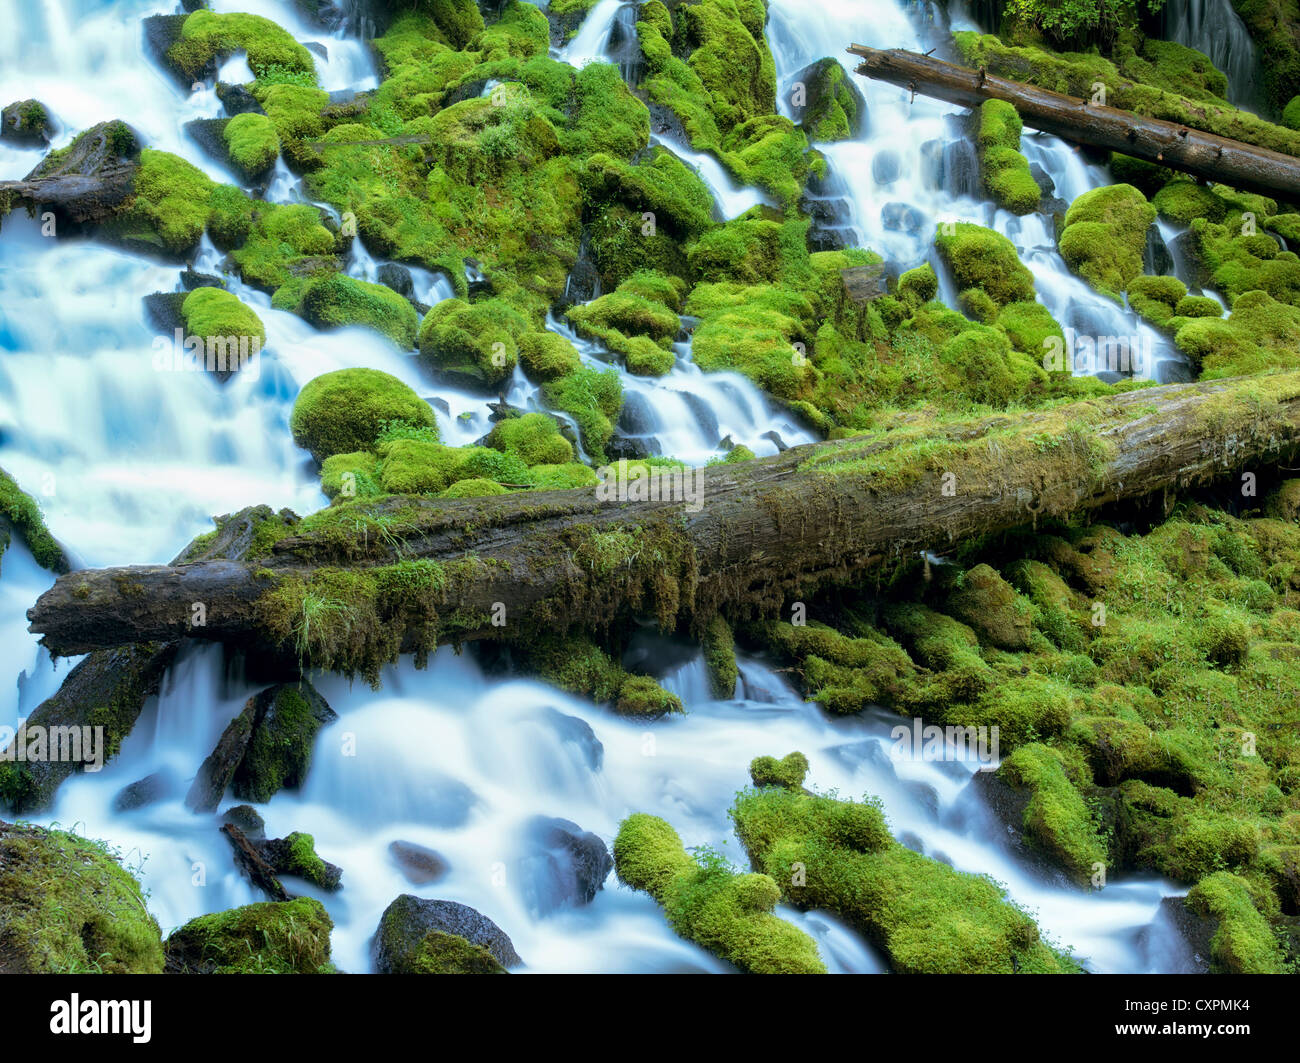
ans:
(420, 865)
(147, 791)
(412, 934)
(564, 866)
(68, 906)
(296, 855)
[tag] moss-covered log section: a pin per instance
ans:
(1177, 146)
(353, 586)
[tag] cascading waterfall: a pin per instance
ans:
(129, 463)
(1214, 28)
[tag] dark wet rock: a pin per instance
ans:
(925, 795)
(469, 90)
(209, 135)
(583, 282)
(775, 438)
(863, 284)
(317, 48)
(407, 923)
(296, 855)
(419, 864)
(886, 167)
(86, 181)
(147, 791)
(163, 311)
(637, 418)
(107, 689)
(248, 820)
(563, 867)
(1196, 275)
(398, 278)
(1193, 932)
(191, 279)
(265, 749)
(237, 100)
(26, 122)
(960, 173)
(219, 767)
(160, 33)
(912, 841)
(1156, 257)
(664, 123)
(704, 414)
(629, 447)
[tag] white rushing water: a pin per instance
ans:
(129, 464)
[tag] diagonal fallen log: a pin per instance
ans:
(352, 586)
(1205, 155)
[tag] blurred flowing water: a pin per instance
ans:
(129, 464)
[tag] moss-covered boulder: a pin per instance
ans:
(273, 937)
(547, 356)
(295, 854)
(833, 107)
(1105, 235)
(475, 344)
(991, 606)
(720, 654)
(706, 902)
(252, 143)
(985, 260)
(337, 300)
(207, 38)
(1242, 940)
(26, 122)
(418, 936)
(67, 906)
(838, 856)
(535, 438)
(1005, 170)
(345, 411)
(265, 749)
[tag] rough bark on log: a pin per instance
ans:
(767, 531)
(1205, 155)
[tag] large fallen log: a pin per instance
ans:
(351, 587)
(1205, 155)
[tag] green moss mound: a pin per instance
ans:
(475, 343)
(22, 512)
(208, 38)
(336, 300)
(345, 411)
(727, 913)
(284, 937)
(1005, 170)
(838, 856)
(213, 313)
(67, 906)
(1105, 235)
(253, 143)
(534, 437)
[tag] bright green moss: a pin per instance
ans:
(1258, 335)
(534, 437)
(547, 356)
(337, 300)
(215, 312)
(285, 937)
(984, 259)
(593, 398)
(640, 697)
(837, 856)
(475, 342)
(726, 913)
(993, 608)
(475, 487)
(608, 118)
(208, 38)
(1156, 298)
(1055, 816)
(788, 772)
(354, 475)
(67, 906)
(562, 477)
(720, 658)
(284, 244)
(170, 207)
(1243, 942)
(345, 411)
(834, 110)
(1006, 171)
(253, 143)
(1105, 236)
(21, 510)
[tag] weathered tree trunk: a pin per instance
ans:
(767, 531)
(1205, 155)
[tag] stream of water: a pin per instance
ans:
(129, 464)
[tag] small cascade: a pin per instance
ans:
(1214, 28)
